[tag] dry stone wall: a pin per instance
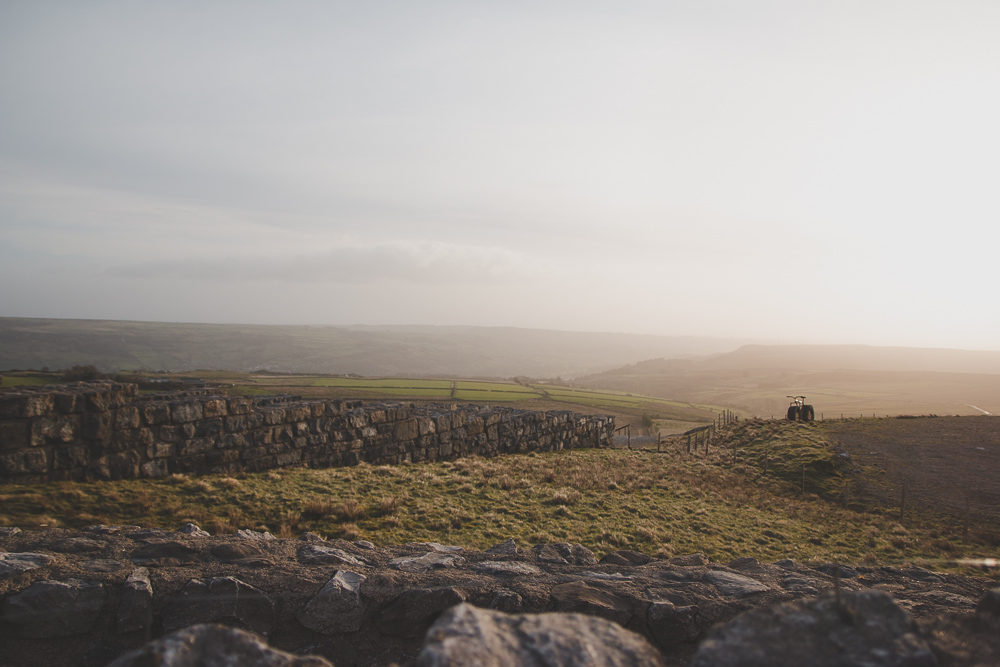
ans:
(107, 430)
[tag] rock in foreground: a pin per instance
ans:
(467, 635)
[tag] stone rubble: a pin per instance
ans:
(86, 597)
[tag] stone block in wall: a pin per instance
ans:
(232, 441)
(259, 438)
(237, 405)
(54, 430)
(208, 427)
(12, 406)
(298, 413)
(155, 414)
(214, 408)
(160, 450)
(282, 433)
(357, 418)
(182, 413)
(12, 464)
(120, 465)
(317, 410)
(37, 460)
(474, 426)
(222, 456)
(154, 469)
(255, 420)
(195, 446)
(425, 425)
(70, 457)
(39, 406)
(273, 416)
(301, 429)
(15, 434)
(377, 416)
(127, 417)
(130, 439)
(442, 423)
(235, 423)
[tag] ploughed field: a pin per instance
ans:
(946, 466)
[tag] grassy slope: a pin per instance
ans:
(667, 503)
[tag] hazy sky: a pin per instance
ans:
(790, 170)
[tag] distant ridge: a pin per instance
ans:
(462, 351)
(858, 358)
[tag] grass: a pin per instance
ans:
(665, 504)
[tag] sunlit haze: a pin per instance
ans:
(791, 171)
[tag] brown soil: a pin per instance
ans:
(947, 465)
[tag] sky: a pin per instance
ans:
(795, 171)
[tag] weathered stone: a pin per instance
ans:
(75, 545)
(989, 604)
(671, 625)
(364, 544)
(213, 646)
(316, 554)
(310, 536)
(225, 600)
(428, 561)
(506, 601)
(55, 608)
(841, 571)
(467, 635)
(16, 563)
(337, 607)
(434, 546)
(506, 567)
(193, 530)
(412, 613)
(165, 551)
(564, 553)
(689, 560)
(581, 597)
(734, 585)
(867, 628)
(254, 535)
(7, 531)
(506, 548)
(135, 611)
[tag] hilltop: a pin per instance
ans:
(849, 379)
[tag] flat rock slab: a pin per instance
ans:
(467, 635)
(580, 597)
(316, 554)
(135, 610)
(412, 613)
(55, 608)
(167, 551)
(431, 560)
(563, 553)
(513, 568)
(213, 646)
(337, 607)
(11, 564)
(868, 628)
(735, 585)
(225, 600)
